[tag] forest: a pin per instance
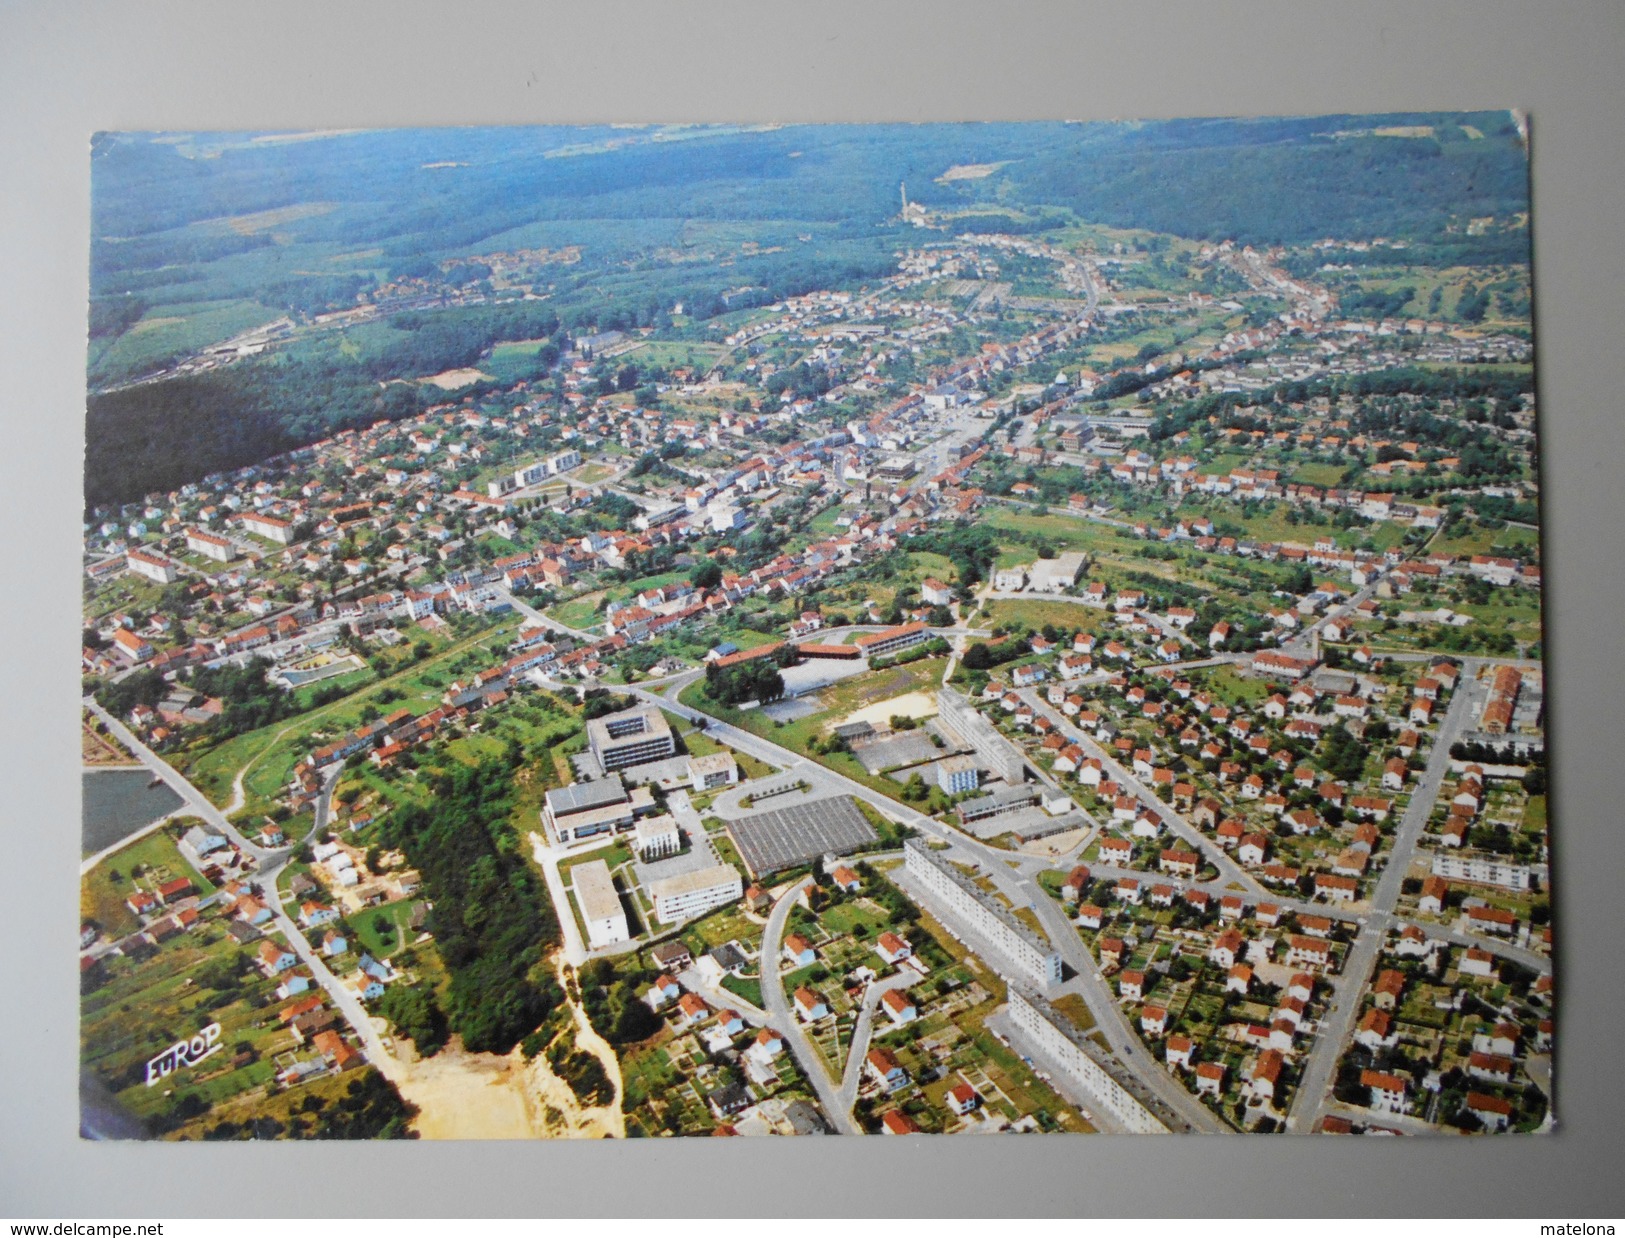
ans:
(491, 921)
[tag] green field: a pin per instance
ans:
(1472, 538)
(672, 354)
(167, 331)
(1033, 614)
(1318, 473)
(140, 1008)
(513, 361)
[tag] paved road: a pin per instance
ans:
(784, 1019)
(194, 799)
(1228, 869)
(270, 864)
(536, 616)
(863, 1030)
(1338, 1023)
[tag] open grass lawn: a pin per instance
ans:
(513, 361)
(126, 591)
(746, 987)
(923, 563)
(1472, 538)
(670, 354)
(380, 931)
(727, 853)
(1534, 814)
(1271, 524)
(617, 853)
(155, 858)
(850, 694)
(1033, 614)
(841, 919)
(1067, 532)
(1230, 687)
(579, 612)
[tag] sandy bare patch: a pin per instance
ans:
(1055, 844)
(910, 705)
(463, 1095)
(450, 380)
(971, 171)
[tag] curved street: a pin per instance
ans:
(785, 1020)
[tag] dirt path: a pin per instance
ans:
(589, 1041)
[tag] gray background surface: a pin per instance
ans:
(71, 68)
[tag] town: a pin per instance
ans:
(1081, 680)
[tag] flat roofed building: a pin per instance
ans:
(1059, 574)
(655, 837)
(967, 901)
(1104, 1082)
(599, 903)
(717, 769)
(589, 808)
(956, 775)
(1005, 799)
(631, 737)
(692, 894)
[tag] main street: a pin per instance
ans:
(1337, 1024)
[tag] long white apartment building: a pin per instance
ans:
(988, 917)
(692, 894)
(958, 719)
(1057, 1036)
(1481, 870)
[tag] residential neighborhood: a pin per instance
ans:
(1053, 676)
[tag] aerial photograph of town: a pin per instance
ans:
(729, 630)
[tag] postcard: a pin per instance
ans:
(727, 630)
